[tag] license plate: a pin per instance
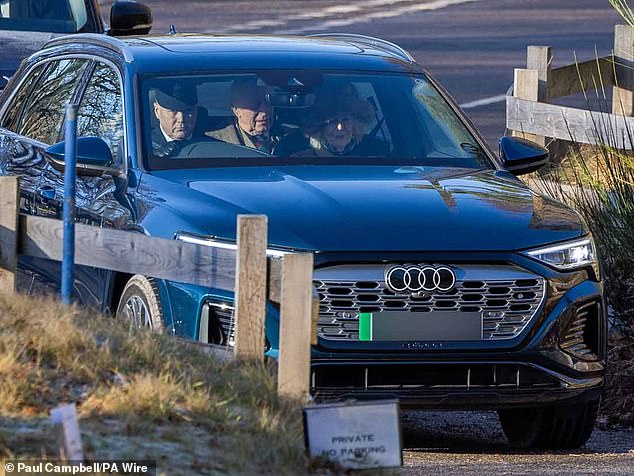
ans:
(407, 326)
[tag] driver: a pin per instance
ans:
(253, 118)
(176, 111)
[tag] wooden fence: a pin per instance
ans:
(246, 271)
(529, 114)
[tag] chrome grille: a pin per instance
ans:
(507, 296)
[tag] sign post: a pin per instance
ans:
(68, 250)
(64, 418)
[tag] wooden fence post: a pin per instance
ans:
(541, 58)
(526, 86)
(622, 96)
(250, 287)
(9, 213)
(295, 326)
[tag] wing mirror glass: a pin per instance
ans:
(520, 156)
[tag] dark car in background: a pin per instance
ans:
(26, 25)
(443, 280)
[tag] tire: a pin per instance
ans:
(140, 304)
(557, 427)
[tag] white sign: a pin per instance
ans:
(65, 416)
(355, 435)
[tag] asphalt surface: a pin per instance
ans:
(470, 443)
(472, 47)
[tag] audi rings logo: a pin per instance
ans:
(419, 278)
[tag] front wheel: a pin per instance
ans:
(556, 427)
(140, 304)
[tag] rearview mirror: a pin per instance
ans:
(91, 153)
(128, 17)
(290, 100)
(520, 156)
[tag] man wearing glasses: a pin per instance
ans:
(253, 118)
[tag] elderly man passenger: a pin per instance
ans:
(253, 118)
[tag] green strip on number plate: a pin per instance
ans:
(365, 326)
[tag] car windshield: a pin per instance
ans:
(302, 117)
(54, 16)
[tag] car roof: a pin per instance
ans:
(192, 52)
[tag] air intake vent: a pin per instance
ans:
(222, 324)
(328, 380)
(581, 336)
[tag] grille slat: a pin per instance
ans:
(508, 305)
(575, 339)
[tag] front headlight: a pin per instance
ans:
(567, 256)
(223, 244)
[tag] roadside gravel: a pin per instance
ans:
(459, 443)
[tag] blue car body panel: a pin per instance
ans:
(366, 208)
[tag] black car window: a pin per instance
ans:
(43, 116)
(12, 115)
(101, 111)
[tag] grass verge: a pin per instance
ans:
(139, 396)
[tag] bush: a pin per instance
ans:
(598, 181)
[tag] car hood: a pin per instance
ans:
(367, 208)
(17, 45)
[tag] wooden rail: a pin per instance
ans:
(529, 114)
(246, 271)
(135, 253)
(567, 123)
(579, 77)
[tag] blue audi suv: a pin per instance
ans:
(442, 279)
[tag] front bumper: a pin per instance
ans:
(455, 385)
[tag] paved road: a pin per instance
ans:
(472, 48)
(470, 443)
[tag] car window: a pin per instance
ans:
(303, 117)
(55, 16)
(101, 112)
(12, 115)
(447, 131)
(43, 115)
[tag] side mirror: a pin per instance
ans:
(93, 155)
(521, 156)
(128, 17)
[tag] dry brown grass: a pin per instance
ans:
(618, 403)
(139, 395)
